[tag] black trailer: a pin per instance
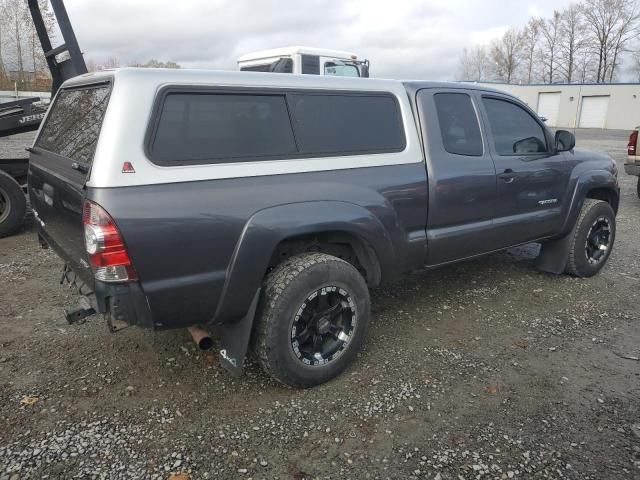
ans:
(24, 115)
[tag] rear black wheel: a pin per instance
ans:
(323, 325)
(13, 205)
(593, 238)
(312, 319)
(638, 187)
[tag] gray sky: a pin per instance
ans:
(401, 38)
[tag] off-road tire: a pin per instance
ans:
(285, 290)
(577, 263)
(638, 187)
(16, 203)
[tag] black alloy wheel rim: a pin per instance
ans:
(5, 205)
(598, 240)
(323, 326)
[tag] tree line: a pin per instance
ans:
(114, 62)
(22, 61)
(593, 41)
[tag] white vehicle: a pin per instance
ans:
(305, 60)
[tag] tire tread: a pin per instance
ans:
(19, 206)
(589, 204)
(275, 285)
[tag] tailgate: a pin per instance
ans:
(59, 166)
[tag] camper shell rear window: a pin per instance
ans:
(208, 126)
(73, 125)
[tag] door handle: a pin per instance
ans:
(508, 176)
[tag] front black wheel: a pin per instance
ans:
(312, 319)
(13, 205)
(593, 237)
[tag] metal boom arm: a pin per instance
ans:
(65, 62)
(64, 68)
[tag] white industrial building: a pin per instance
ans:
(607, 105)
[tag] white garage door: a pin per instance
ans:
(593, 113)
(549, 106)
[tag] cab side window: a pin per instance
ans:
(515, 131)
(458, 124)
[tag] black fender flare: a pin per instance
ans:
(267, 228)
(260, 237)
(555, 253)
(587, 181)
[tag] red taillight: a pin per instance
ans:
(103, 242)
(633, 141)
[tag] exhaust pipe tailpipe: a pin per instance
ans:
(201, 337)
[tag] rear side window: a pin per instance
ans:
(73, 124)
(220, 127)
(194, 127)
(328, 124)
(458, 124)
(514, 130)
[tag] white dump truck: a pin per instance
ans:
(305, 60)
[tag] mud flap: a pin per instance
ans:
(235, 340)
(555, 254)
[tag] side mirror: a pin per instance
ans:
(565, 141)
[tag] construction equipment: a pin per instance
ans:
(24, 115)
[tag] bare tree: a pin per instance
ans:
(111, 63)
(21, 54)
(551, 39)
(530, 40)
(506, 55)
(586, 41)
(574, 40)
(153, 63)
(108, 64)
(612, 23)
(92, 65)
(466, 68)
(480, 62)
(627, 29)
(474, 64)
(13, 13)
(634, 66)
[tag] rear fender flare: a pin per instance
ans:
(267, 228)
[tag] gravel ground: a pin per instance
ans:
(487, 369)
(13, 146)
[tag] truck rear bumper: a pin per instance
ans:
(118, 302)
(122, 302)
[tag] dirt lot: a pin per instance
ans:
(488, 369)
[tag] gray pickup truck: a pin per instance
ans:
(268, 204)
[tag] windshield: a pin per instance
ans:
(341, 69)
